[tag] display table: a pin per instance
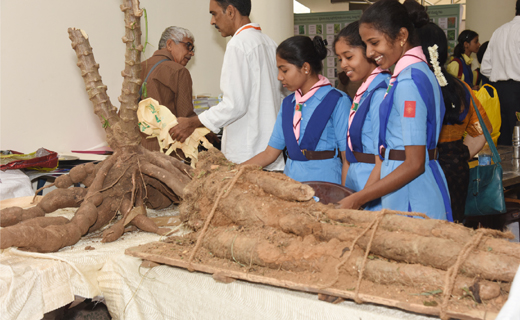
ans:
(511, 171)
(32, 284)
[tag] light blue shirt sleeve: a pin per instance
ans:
(413, 120)
(277, 139)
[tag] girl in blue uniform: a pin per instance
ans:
(312, 122)
(410, 117)
(361, 149)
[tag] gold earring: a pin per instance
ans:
(402, 43)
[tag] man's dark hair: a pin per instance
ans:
(243, 6)
(518, 7)
(481, 51)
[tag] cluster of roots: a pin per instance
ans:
(257, 218)
(127, 182)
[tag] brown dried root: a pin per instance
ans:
(54, 200)
(432, 227)
(124, 175)
(223, 193)
(276, 250)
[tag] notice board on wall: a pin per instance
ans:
(327, 25)
(448, 18)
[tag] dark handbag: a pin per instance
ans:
(485, 191)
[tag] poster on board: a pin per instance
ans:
(327, 25)
(448, 18)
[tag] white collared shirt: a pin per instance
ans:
(502, 58)
(252, 96)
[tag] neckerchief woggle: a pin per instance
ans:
(300, 100)
(426, 91)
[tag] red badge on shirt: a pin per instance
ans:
(409, 109)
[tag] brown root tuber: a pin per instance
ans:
(56, 199)
(120, 176)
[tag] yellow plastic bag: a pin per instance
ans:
(492, 106)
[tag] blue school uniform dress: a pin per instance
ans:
(332, 138)
(411, 115)
(363, 133)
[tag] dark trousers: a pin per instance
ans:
(453, 159)
(509, 96)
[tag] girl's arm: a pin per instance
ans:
(475, 139)
(265, 158)
(344, 168)
(410, 169)
(375, 175)
(474, 144)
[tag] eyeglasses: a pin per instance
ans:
(189, 46)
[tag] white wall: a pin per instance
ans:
(324, 5)
(275, 17)
(484, 16)
(42, 95)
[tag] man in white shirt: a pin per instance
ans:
(251, 91)
(501, 64)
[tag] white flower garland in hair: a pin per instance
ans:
(434, 56)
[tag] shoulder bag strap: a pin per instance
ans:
(496, 157)
(145, 79)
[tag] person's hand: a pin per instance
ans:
(184, 129)
(349, 202)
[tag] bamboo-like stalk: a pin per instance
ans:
(96, 90)
(121, 130)
(114, 178)
(131, 74)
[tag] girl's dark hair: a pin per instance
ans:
(350, 34)
(454, 93)
(389, 16)
(300, 49)
(464, 36)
